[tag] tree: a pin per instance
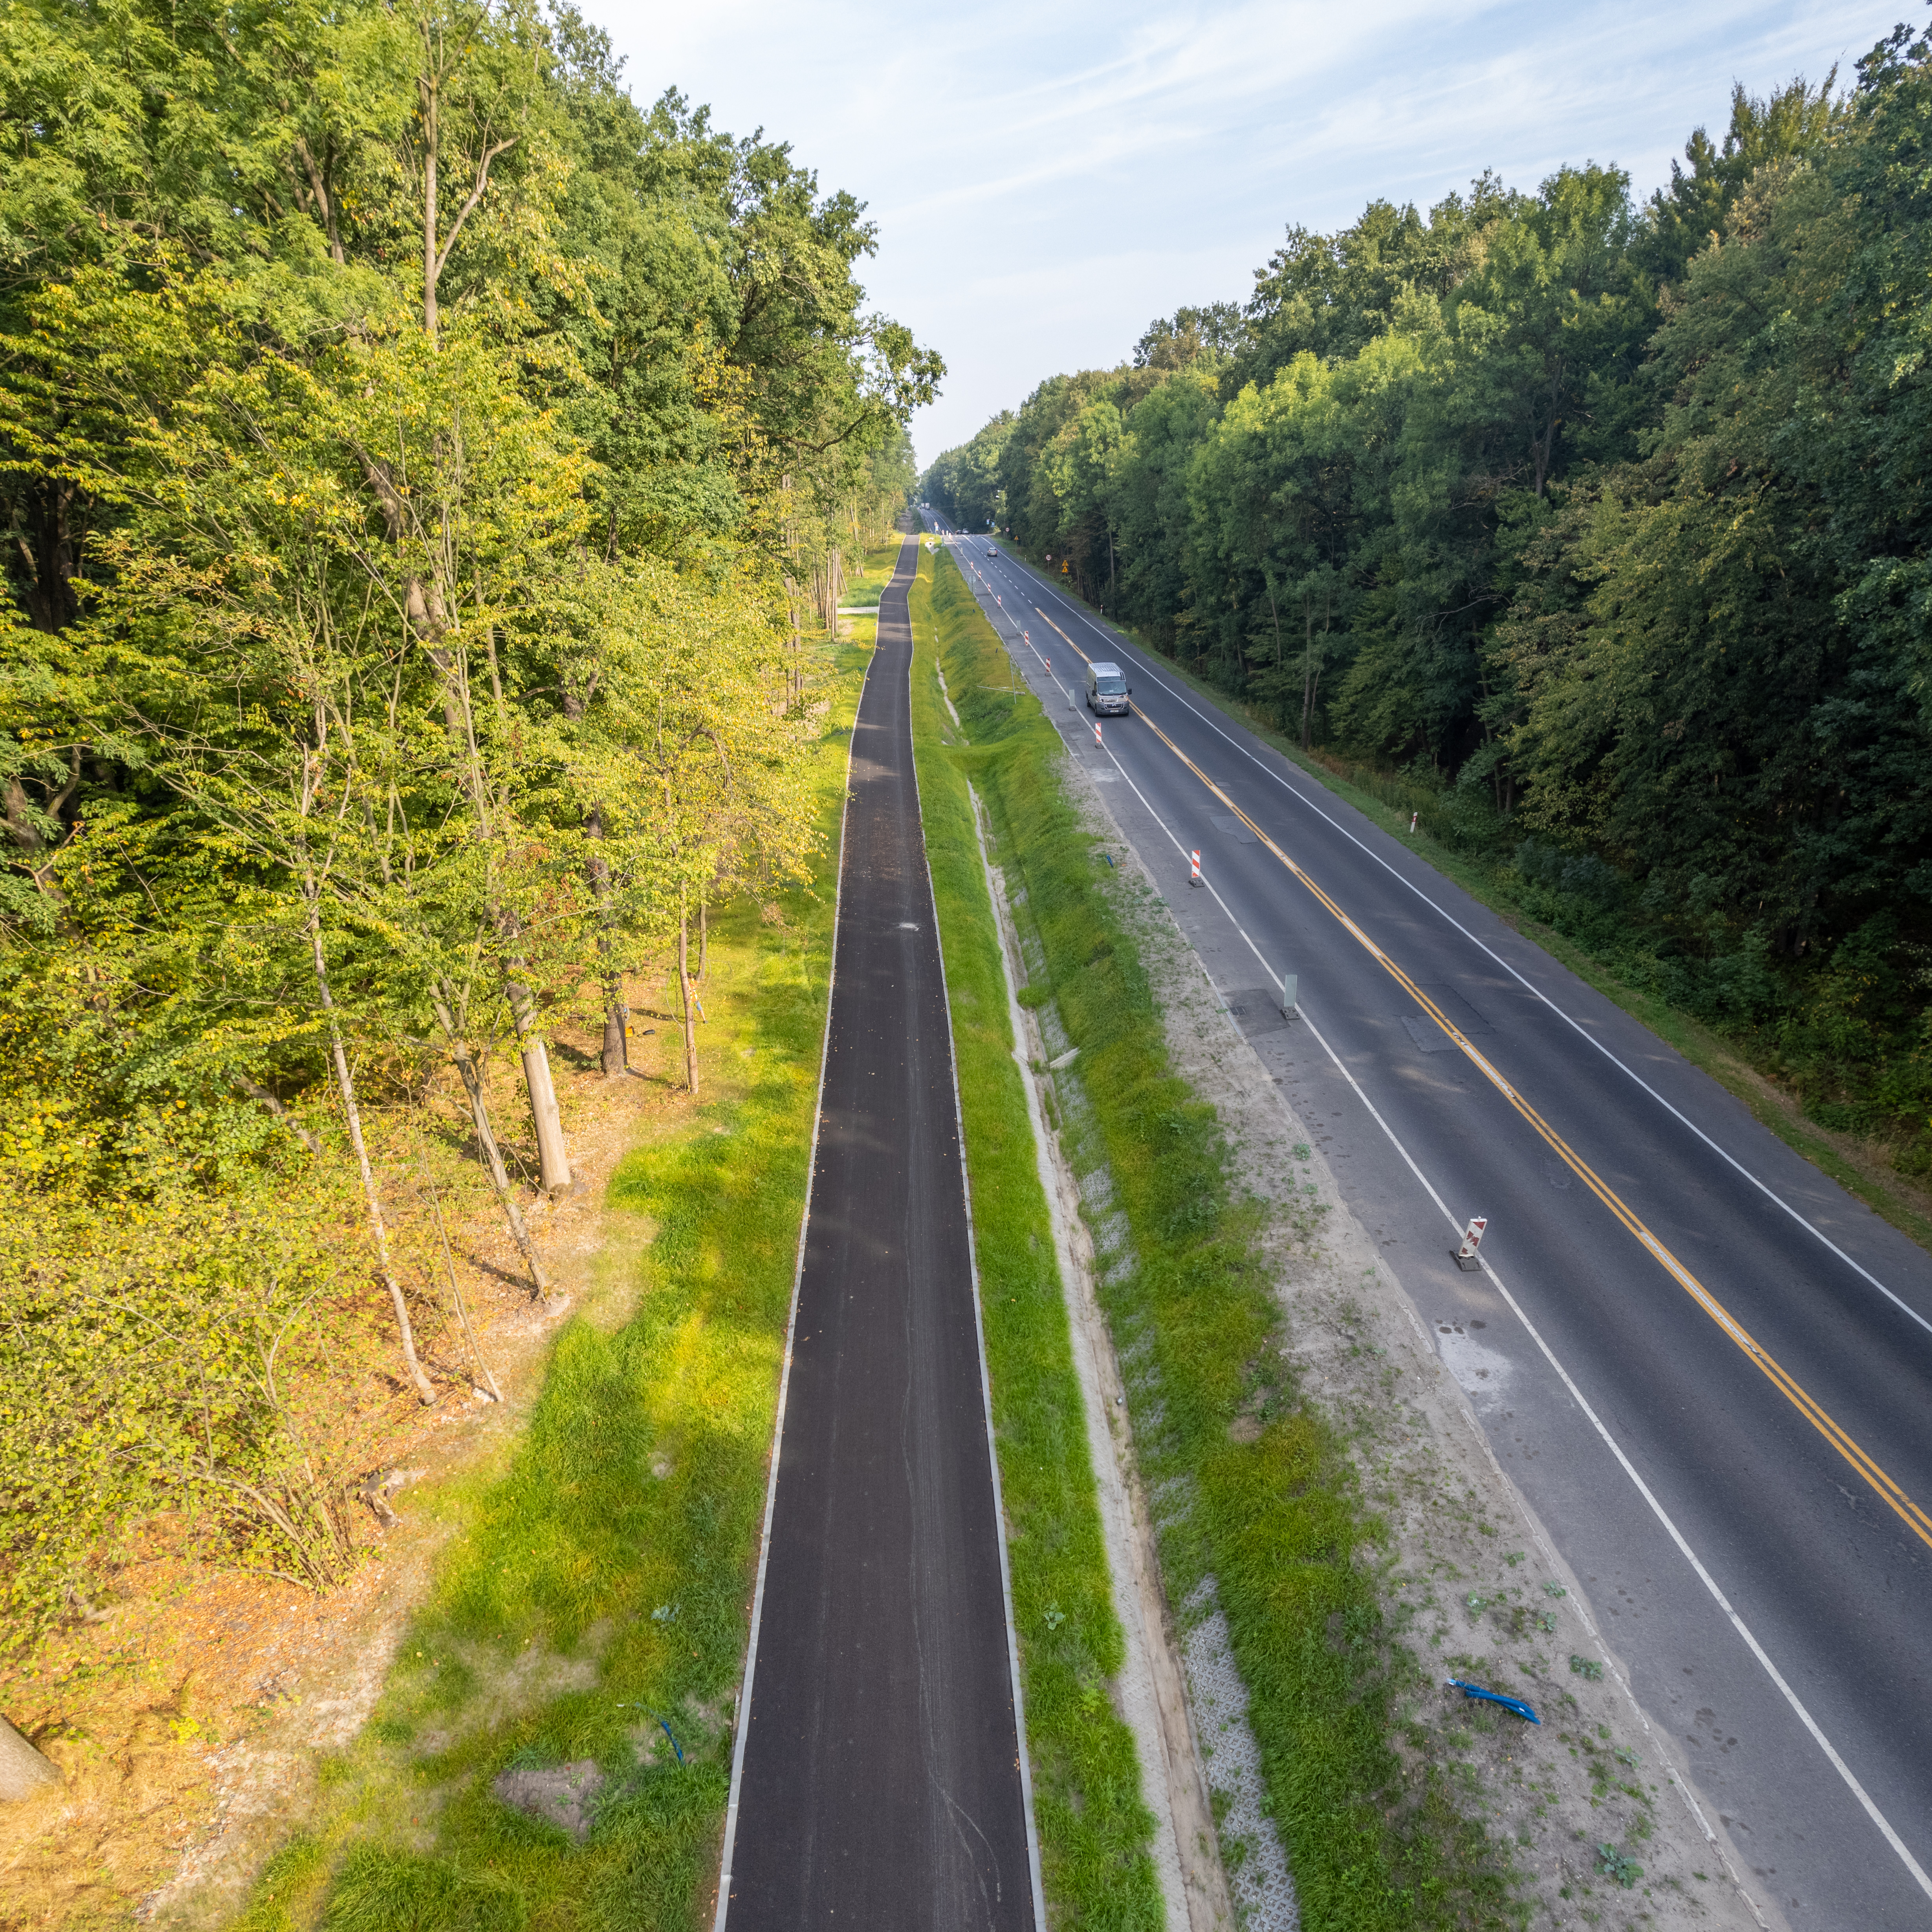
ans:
(404, 440)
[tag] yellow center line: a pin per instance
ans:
(1045, 619)
(1915, 1518)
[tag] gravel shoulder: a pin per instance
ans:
(1602, 1826)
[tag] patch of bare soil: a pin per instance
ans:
(185, 1718)
(1592, 1804)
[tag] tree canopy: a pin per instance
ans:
(412, 453)
(1604, 520)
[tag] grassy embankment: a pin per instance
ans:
(1591, 933)
(1094, 1830)
(1277, 1519)
(595, 1589)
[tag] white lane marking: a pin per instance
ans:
(1302, 797)
(1615, 1448)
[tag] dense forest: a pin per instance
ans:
(1601, 527)
(422, 471)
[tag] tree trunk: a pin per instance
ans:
(256, 1091)
(486, 1141)
(1307, 671)
(427, 613)
(684, 987)
(456, 1295)
(797, 650)
(616, 1056)
(552, 1157)
(23, 1771)
(346, 1086)
(791, 676)
(431, 106)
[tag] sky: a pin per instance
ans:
(1046, 180)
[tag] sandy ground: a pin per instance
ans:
(1474, 1587)
(186, 1723)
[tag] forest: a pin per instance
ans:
(425, 473)
(1595, 527)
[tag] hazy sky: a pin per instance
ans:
(1047, 179)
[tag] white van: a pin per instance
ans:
(1107, 690)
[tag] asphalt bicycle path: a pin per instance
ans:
(878, 1781)
(1748, 1495)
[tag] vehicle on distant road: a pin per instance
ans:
(1107, 690)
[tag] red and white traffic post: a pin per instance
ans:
(1472, 1239)
(1194, 878)
(1097, 730)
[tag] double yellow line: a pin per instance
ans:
(1916, 1518)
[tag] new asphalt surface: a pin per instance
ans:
(1705, 1365)
(880, 1784)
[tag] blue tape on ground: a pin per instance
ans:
(1515, 1704)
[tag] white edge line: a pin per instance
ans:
(791, 1323)
(1294, 792)
(979, 1337)
(1643, 1489)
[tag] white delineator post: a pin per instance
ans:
(1194, 868)
(1472, 1239)
(1097, 730)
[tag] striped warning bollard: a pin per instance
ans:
(1194, 871)
(1472, 1239)
(1097, 730)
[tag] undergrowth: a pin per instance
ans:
(1094, 1830)
(1270, 1510)
(595, 1590)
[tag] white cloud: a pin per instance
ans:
(1045, 181)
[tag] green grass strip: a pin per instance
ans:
(600, 1581)
(1278, 1520)
(1094, 1829)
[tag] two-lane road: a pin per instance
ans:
(1707, 1367)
